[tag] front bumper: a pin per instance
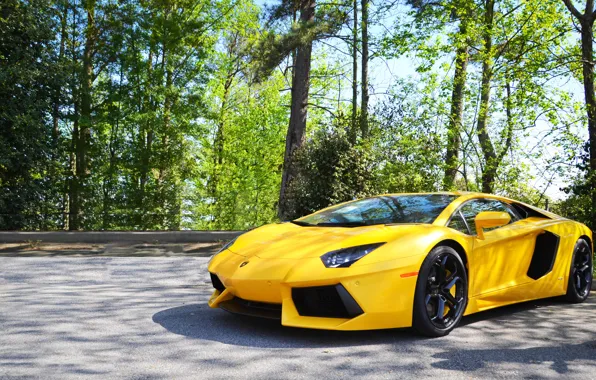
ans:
(251, 308)
(303, 293)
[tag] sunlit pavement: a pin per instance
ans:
(125, 317)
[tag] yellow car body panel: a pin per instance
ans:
(265, 264)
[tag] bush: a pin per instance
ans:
(328, 170)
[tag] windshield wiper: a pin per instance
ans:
(299, 223)
(342, 224)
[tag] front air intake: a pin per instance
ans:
(332, 301)
(217, 284)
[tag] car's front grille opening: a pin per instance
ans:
(332, 301)
(217, 284)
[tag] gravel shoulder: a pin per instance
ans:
(130, 317)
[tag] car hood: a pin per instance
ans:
(290, 241)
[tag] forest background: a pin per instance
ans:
(229, 114)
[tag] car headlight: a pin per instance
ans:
(343, 258)
(225, 246)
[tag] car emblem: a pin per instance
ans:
(243, 264)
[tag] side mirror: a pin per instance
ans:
(490, 219)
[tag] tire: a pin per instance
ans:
(441, 293)
(580, 273)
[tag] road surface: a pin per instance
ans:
(147, 318)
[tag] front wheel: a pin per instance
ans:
(441, 293)
(580, 274)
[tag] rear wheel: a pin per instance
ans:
(441, 293)
(580, 274)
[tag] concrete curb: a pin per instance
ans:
(103, 237)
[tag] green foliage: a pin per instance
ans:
(330, 170)
(408, 139)
(578, 204)
(29, 72)
(272, 48)
(247, 177)
(180, 135)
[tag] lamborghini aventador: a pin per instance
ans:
(400, 260)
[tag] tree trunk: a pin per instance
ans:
(218, 146)
(364, 103)
(73, 188)
(354, 127)
(489, 171)
(167, 106)
(112, 149)
(587, 34)
(56, 101)
(86, 84)
(457, 108)
(146, 137)
(163, 177)
(299, 107)
(84, 130)
(506, 145)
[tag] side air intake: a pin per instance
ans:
(545, 253)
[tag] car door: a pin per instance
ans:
(500, 260)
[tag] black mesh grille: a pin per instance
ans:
(325, 301)
(217, 284)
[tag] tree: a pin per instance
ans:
(586, 23)
(29, 78)
(515, 55)
(514, 73)
(462, 56)
(82, 131)
(299, 106)
(353, 126)
(406, 136)
(429, 14)
(489, 171)
(330, 170)
(365, 57)
(147, 115)
(310, 26)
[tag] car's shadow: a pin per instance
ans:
(198, 321)
(201, 322)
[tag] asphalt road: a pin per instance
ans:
(130, 317)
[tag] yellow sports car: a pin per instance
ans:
(400, 260)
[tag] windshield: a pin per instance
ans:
(415, 208)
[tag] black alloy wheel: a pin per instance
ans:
(580, 274)
(441, 293)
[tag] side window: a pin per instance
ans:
(521, 211)
(457, 223)
(504, 207)
(474, 207)
(470, 210)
